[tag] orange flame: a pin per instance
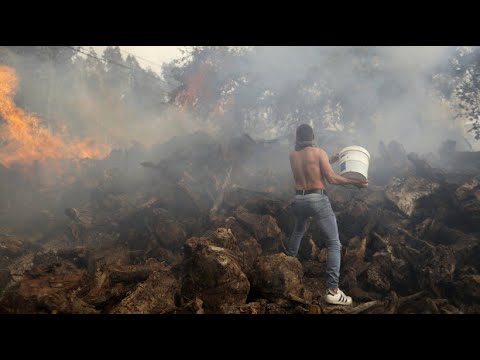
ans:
(196, 86)
(23, 139)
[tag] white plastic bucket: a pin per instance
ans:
(354, 161)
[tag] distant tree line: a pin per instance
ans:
(84, 94)
(260, 89)
(331, 87)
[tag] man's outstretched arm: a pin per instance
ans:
(332, 177)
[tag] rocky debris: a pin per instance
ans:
(206, 235)
(468, 198)
(246, 248)
(213, 273)
(20, 266)
(468, 288)
(353, 263)
(278, 277)
(5, 278)
(152, 227)
(156, 295)
(264, 228)
(81, 257)
(113, 282)
(257, 202)
(423, 169)
(257, 307)
(48, 289)
(12, 247)
(407, 194)
(437, 271)
(308, 249)
(233, 225)
(386, 272)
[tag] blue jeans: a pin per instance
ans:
(317, 206)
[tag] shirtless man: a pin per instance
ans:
(311, 167)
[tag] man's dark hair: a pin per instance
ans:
(305, 133)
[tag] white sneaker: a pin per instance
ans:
(338, 299)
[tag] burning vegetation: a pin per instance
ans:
(199, 223)
(23, 137)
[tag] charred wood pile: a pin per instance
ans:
(200, 225)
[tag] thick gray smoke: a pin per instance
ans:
(389, 99)
(81, 97)
(399, 98)
(396, 103)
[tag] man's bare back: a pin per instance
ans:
(311, 169)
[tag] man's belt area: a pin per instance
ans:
(310, 191)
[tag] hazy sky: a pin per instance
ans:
(148, 56)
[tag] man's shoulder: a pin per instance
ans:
(320, 150)
(316, 149)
